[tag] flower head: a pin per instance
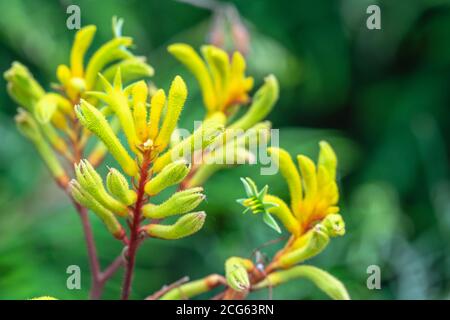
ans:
(81, 75)
(313, 188)
(312, 217)
(222, 79)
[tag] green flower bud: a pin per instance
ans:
(99, 150)
(110, 51)
(323, 280)
(22, 86)
(263, 102)
(202, 174)
(60, 103)
(253, 136)
(236, 274)
(187, 55)
(175, 103)
(199, 139)
(30, 129)
(334, 224)
(85, 199)
(81, 44)
(232, 156)
(117, 100)
(172, 174)
(306, 247)
(179, 203)
(118, 186)
(234, 147)
(194, 288)
(45, 108)
(132, 69)
(185, 226)
(92, 183)
(96, 122)
(27, 125)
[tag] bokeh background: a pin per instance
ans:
(381, 97)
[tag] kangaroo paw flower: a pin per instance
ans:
(179, 203)
(236, 273)
(185, 226)
(85, 199)
(118, 186)
(323, 280)
(170, 175)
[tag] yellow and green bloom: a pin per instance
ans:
(222, 79)
(105, 95)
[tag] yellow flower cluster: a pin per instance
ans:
(312, 218)
(105, 95)
(222, 80)
(313, 189)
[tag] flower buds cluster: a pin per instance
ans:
(22, 86)
(146, 138)
(148, 133)
(180, 203)
(29, 127)
(88, 190)
(53, 113)
(92, 183)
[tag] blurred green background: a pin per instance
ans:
(381, 97)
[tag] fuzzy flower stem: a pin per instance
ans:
(135, 226)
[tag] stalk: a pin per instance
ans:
(135, 238)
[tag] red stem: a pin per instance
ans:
(98, 278)
(112, 268)
(134, 226)
(97, 285)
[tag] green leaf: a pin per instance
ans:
(270, 221)
(248, 188)
(254, 188)
(262, 193)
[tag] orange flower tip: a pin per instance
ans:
(120, 234)
(63, 181)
